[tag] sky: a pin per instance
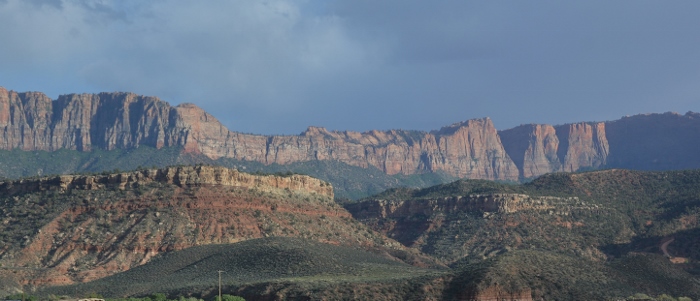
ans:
(278, 66)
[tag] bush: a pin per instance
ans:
(21, 296)
(227, 297)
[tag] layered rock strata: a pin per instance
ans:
(470, 149)
(67, 229)
(505, 203)
(537, 149)
(32, 121)
(181, 176)
(446, 228)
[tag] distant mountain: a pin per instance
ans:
(111, 125)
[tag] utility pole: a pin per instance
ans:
(220, 285)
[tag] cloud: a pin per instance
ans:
(277, 66)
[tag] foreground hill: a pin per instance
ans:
(617, 224)
(471, 149)
(268, 268)
(291, 268)
(76, 228)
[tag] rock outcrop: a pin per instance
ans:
(504, 203)
(412, 220)
(32, 121)
(181, 176)
(537, 149)
(471, 149)
(76, 228)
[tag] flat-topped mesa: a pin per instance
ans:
(181, 176)
(473, 149)
(505, 203)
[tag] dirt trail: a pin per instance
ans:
(665, 245)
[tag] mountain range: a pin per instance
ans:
(126, 195)
(475, 149)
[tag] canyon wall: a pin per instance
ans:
(470, 149)
(32, 121)
(665, 141)
(537, 149)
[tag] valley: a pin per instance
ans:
(127, 196)
(284, 237)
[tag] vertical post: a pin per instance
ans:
(220, 285)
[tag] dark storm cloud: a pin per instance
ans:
(279, 66)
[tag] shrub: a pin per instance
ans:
(227, 297)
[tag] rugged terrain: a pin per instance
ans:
(76, 228)
(607, 231)
(31, 121)
(565, 236)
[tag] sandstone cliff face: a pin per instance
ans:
(31, 121)
(539, 149)
(533, 149)
(470, 149)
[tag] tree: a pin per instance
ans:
(158, 297)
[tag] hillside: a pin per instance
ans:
(592, 235)
(546, 275)
(76, 228)
(98, 123)
(617, 223)
(290, 267)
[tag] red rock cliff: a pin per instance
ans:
(470, 149)
(537, 149)
(32, 121)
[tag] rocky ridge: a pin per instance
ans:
(181, 176)
(66, 229)
(488, 203)
(470, 149)
(412, 222)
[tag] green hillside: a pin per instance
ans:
(302, 263)
(596, 234)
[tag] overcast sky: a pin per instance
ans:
(276, 67)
